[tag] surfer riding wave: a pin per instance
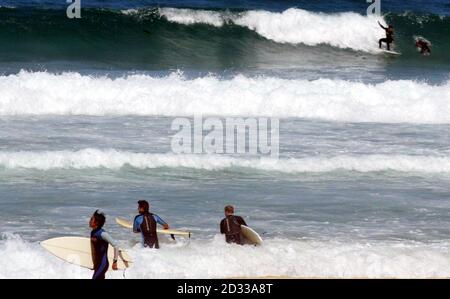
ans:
(389, 36)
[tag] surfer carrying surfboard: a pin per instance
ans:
(100, 240)
(389, 36)
(145, 223)
(230, 226)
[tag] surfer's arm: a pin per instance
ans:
(160, 221)
(106, 237)
(137, 224)
(222, 226)
(381, 25)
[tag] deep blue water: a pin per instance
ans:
(435, 6)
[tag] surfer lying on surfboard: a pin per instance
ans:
(389, 36)
(145, 223)
(100, 240)
(231, 226)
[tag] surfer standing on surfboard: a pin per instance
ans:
(100, 241)
(231, 226)
(145, 223)
(389, 36)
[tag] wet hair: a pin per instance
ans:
(144, 204)
(99, 218)
(229, 209)
(390, 26)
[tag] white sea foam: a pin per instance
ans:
(342, 30)
(130, 11)
(191, 16)
(43, 93)
(216, 259)
(112, 159)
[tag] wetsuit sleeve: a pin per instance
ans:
(222, 226)
(158, 219)
(106, 237)
(382, 26)
(137, 224)
(241, 221)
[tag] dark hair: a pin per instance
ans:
(99, 218)
(144, 204)
(229, 209)
(390, 26)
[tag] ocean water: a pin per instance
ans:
(361, 187)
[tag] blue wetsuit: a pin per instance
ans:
(100, 241)
(152, 239)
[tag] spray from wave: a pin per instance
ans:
(216, 259)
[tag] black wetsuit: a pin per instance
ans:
(424, 48)
(99, 254)
(231, 227)
(389, 37)
(146, 224)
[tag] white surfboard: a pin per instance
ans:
(389, 52)
(129, 225)
(77, 251)
(251, 236)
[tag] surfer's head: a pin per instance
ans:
(143, 206)
(229, 210)
(97, 220)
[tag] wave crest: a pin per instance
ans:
(404, 101)
(296, 26)
(113, 159)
